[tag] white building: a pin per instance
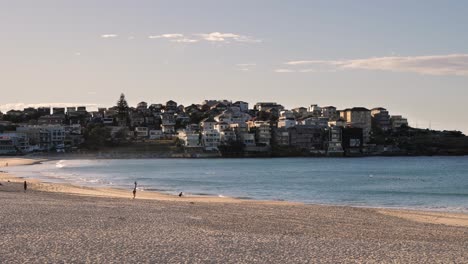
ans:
(211, 139)
(300, 111)
(232, 116)
(45, 137)
(119, 129)
(264, 134)
(243, 106)
(221, 126)
(57, 136)
(189, 139)
(286, 119)
(227, 136)
(156, 134)
(208, 124)
(316, 121)
(248, 139)
(338, 123)
(335, 141)
(381, 118)
(286, 123)
(359, 117)
(398, 121)
(107, 120)
(240, 128)
(262, 131)
(141, 132)
(315, 110)
(281, 136)
(168, 123)
(12, 143)
(329, 112)
(142, 106)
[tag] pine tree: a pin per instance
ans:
(122, 104)
(122, 108)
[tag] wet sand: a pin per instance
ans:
(60, 223)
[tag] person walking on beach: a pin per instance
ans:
(134, 190)
(25, 186)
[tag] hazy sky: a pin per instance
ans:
(408, 56)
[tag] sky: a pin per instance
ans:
(410, 57)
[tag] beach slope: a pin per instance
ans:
(45, 227)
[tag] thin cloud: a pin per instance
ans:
(167, 36)
(246, 64)
(284, 70)
(318, 70)
(452, 64)
(109, 36)
(245, 67)
(308, 70)
(210, 37)
(185, 40)
(174, 37)
(227, 37)
(309, 62)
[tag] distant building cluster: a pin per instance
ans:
(212, 125)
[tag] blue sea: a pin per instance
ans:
(427, 183)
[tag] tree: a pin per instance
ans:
(120, 136)
(122, 108)
(97, 136)
(122, 104)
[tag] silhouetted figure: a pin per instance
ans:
(134, 193)
(135, 184)
(181, 194)
(25, 186)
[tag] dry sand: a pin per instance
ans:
(452, 219)
(53, 223)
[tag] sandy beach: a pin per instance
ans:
(64, 223)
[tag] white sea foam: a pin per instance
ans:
(367, 182)
(60, 164)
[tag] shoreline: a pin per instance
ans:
(56, 223)
(142, 155)
(72, 189)
(459, 219)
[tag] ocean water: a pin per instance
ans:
(429, 183)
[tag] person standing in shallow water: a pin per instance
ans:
(134, 190)
(25, 186)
